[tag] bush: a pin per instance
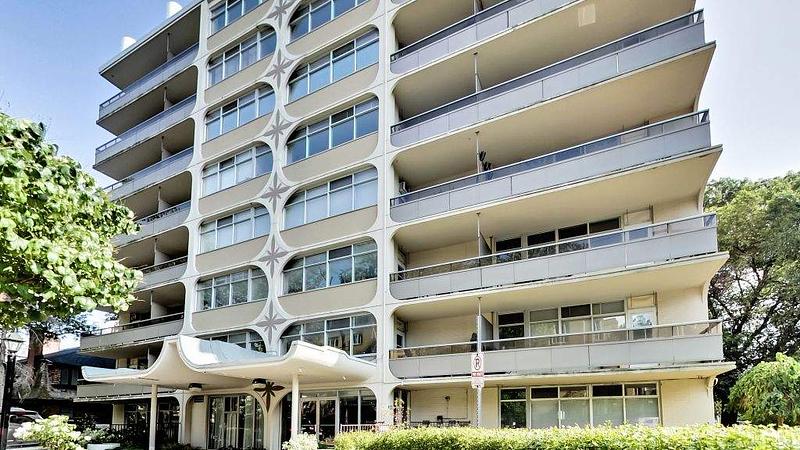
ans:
(301, 442)
(769, 393)
(52, 433)
(700, 437)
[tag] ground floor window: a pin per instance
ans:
(326, 413)
(563, 406)
(235, 421)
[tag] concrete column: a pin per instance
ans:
(153, 416)
(295, 404)
(159, 256)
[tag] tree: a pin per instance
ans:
(769, 393)
(757, 289)
(56, 225)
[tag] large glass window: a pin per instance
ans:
(553, 406)
(356, 335)
(241, 55)
(235, 228)
(339, 196)
(338, 266)
(240, 111)
(349, 58)
(251, 163)
(235, 421)
(229, 11)
(606, 316)
(340, 128)
(247, 285)
(245, 339)
(314, 14)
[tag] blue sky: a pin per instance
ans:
(52, 49)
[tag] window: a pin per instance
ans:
(342, 127)
(235, 228)
(332, 268)
(245, 339)
(228, 11)
(317, 13)
(339, 196)
(247, 285)
(564, 406)
(235, 421)
(339, 63)
(240, 56)
(356, 335)
(240, 111)
(251, 163)
(511, 325)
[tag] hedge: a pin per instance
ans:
(699, 437)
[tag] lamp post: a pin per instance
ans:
(13, 342)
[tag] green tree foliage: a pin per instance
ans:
(56, 225)
(756, 292)
(769, 393)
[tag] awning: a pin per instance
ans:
(216, 364)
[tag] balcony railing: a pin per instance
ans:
(95, 391)
(603, 251)
(656, 346)
(626, 138)
(464, 32)
(149, 175)
(554, 340)
(133, 333)
(657, 43)
(147, 129)
(156, 223)
(163, 272)
(149, 81)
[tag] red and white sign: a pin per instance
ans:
(476, 370)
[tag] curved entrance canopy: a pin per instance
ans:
(215, 364)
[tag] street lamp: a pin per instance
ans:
(12, 342)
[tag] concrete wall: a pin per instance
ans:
(685, 402)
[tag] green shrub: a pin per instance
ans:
(700, 437)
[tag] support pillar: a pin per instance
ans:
(153, 416)
(295, 404)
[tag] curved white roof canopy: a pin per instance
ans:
(216, 364)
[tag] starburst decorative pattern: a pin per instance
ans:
(273, 256)
(275, 192)
(279, 126)
(280, 9)
(279, 67)
(272, 320)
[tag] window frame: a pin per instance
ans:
(214, 169)
(248, 342)
(305, 10)
(221, 59)
(302, 197)
(210, 284)
(560, 319)
(313, 261)
(353, 327)
(256, 212)
(223, 7)
(303, 132)
(326, 62)
(218, 114)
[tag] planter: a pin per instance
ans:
(101, 446)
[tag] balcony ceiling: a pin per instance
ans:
(418, 19)
(174, 243)
(672, 180)
(174, 190)
(683, 274)
(671, 89)
(216, 364)
(147, 153)
(530, 47)
(167, 295)
(150, 51)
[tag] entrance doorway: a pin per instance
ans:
(318, 417)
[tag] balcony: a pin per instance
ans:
(615, 153)
(621, 57)
(145, 130)
(148, 82)
(602, 252)
(150, 175)
(132, 333)
(657, 346)
(163, 272)
(157, 223)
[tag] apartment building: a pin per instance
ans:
(341, 201)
